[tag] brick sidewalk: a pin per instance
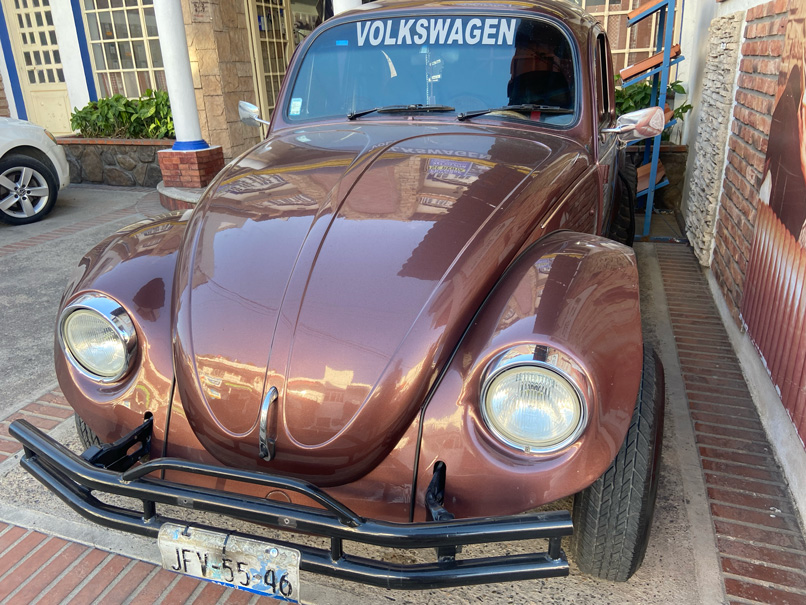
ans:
(60, 232)
(760, 544)
(59, 571)
(45, 413)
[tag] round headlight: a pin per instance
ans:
(98, 337)
(533, 407)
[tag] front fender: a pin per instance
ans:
(578, 295)
(135, 266)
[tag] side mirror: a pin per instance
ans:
(250, 114)
(641, 124)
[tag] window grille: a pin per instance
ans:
(124, 46)
(274, 46)
(628, 44)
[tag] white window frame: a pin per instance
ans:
(122, 80)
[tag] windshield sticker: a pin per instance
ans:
(399, 32)
(453, 172)
(296, 106)
(440, 167)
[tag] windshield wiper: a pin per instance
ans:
(399, 109)
(523, 107)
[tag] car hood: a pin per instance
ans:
(342, 267)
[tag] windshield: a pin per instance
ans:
(459, 63)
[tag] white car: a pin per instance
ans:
(33, 169)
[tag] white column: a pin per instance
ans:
(74, 69)
(339, 6)
(12, 102)
(173, 43)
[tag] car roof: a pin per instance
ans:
(564, 10)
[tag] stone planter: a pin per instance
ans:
(119, 162)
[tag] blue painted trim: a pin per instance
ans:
(84, 49)
(190, 145)
(16, 90)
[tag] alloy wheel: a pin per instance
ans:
(23, 192)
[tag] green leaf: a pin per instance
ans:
(116, 116)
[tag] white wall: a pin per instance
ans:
(339, 6)
(697, 16)
(12, 104)
(70, 53)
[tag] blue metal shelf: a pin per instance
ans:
(651, 72)
(660, 81)
(660, 185)
(648, 10)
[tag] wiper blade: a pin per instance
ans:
(399, 109)
(523, 107)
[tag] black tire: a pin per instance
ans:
(622, 227)
(612, 518)
(85, 434)
(28, 189)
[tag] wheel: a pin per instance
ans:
(28, 189)
(612, 517)
(622, 227)
(85, 434)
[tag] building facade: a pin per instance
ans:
(60, 54)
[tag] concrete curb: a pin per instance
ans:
(190, 196)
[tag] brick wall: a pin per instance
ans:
(712, 133)
(4, 110)
(221, 63)
(747, 147)
(190, 169)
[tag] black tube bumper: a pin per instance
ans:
(74, 479)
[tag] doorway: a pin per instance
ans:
(276, 28)
(38, 63)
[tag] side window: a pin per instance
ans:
(603, 81)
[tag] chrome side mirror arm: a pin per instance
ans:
(250, 114)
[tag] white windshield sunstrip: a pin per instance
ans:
(393, 32)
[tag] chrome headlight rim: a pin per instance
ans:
(113, 313)
(525, 356)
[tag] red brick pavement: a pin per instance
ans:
(45, 413)
(54, 234)
(761, 547)
(57, 571)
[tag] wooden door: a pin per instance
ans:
(38, 63)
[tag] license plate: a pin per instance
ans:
(253, 565)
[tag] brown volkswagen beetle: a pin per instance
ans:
(400, 320)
